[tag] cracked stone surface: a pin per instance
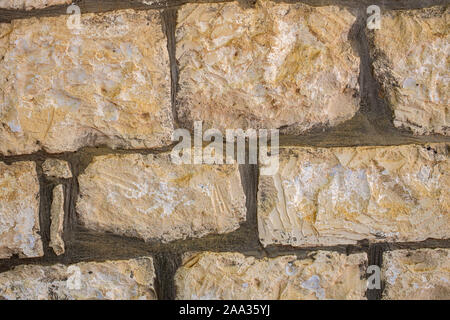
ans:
(19, 211)
(410, 54)
(422, 274)
(330, 196)
(149, 197)
(228, 275)
(105, 84)
(109, 280)
(266, 67)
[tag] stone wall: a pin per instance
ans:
(92, 207)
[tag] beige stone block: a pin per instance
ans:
(19, 211)
(422, 274)
(105, 84)
(330, 196)
(270, 66)
(230, 276)
(410, 54)
(149, 197)
(109, 280)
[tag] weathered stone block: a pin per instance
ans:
(105, 84)
(19, 211)
(266, 67)
(410, 60)
(149, 197)
(329, 196)
(109, 280)
(422, 274)
(323, 275)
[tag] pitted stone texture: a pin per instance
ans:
(31, 4)
(106, 84)
(266, 67)
(422, 274)
(342, 195)
(19, 211)
(109, 280)
(57, 168)
(410, 54)
(57, 221)
(323, 275)
(149, 197)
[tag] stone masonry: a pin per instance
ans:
(94, 206)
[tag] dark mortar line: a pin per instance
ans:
(339, 136)
(93, 6)
(101, 246)
(249, 179)
(357, 139)
(276, 250)
(375, 257)
(45, 200)
(383, 4)
(70, 219)
(362, 245)
(169, 22)
(372, 105)
(166, 265)
(379, 112)
(101, 150)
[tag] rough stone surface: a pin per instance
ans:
(270, 66)
(410, 54)
(341, 195)
(122, 279)
(31, 4)
(105, 84)
(57, 168)
(323, 275)
(148, 197)
(57, 220)
(422, 274)
(19, 211)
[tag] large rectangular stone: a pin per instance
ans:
(19, 211)
(149, 197)
(230, 276)
(270, 66)
(107, 83)
(422, 274)
(109, 280)
(410, 60)
(329, 196)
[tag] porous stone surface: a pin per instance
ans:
(149, 197)
(323, 275)
(266, 67)
(31, 4)
(19, 211)
(422, 274)
(57, 220)
(410, 61)
(329, 196)
(63, 88)
(57, 168)
(109, 280)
